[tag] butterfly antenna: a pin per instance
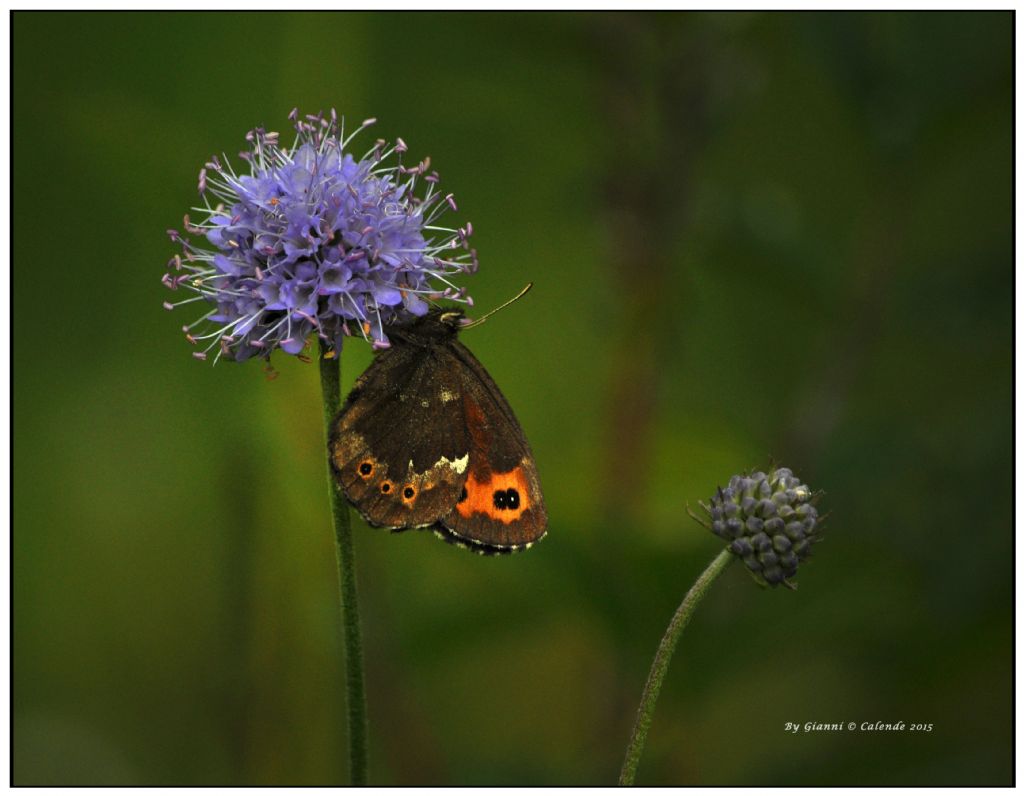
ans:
(515, 298)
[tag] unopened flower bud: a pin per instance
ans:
(769, 520)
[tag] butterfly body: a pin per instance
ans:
(426, 439)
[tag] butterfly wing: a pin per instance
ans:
(399, 447)
(500, 507)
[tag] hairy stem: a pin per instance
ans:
(661, 661)
(330, 386)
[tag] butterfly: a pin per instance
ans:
(425, 439)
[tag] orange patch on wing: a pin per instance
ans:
(480, 495)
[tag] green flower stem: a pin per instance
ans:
(661, 661)
(330, 386)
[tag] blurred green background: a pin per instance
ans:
(752, 235)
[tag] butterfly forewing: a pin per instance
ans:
(398, 449)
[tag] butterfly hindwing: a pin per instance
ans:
(500, 507)
(398, 448)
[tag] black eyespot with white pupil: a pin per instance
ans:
(506, 499)
(365, 468)
(409, 492)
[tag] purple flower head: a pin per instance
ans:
(312, 242)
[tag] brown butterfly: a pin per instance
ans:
(426, 439)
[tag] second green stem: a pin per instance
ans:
(661, 661)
